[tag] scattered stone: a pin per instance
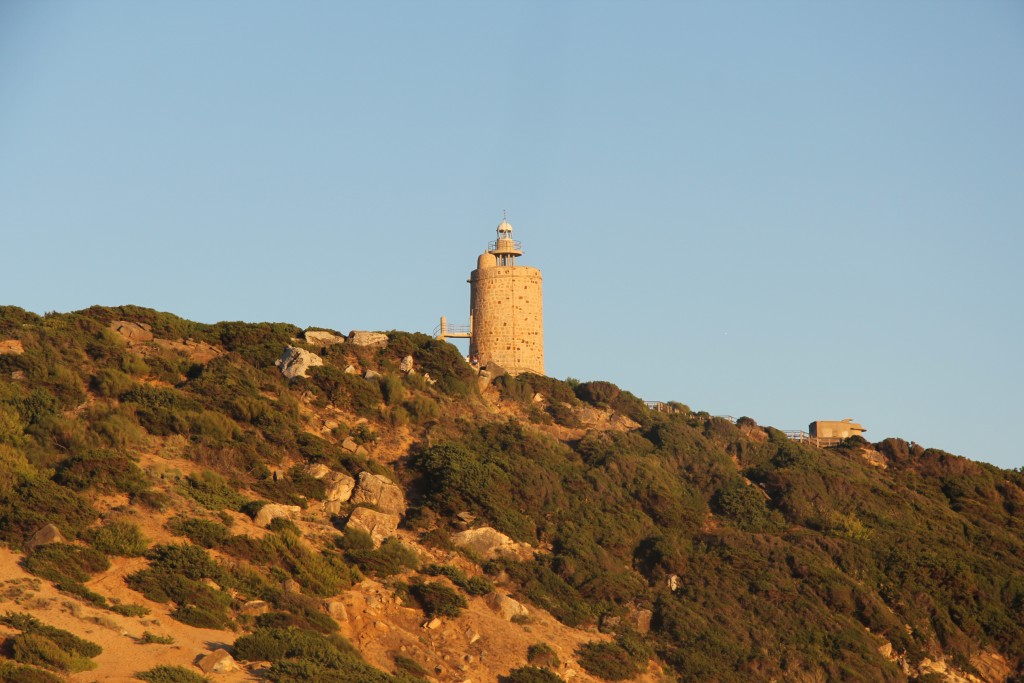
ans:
(360, 338)
(406, 365)
(472, 636)
(295, 362)
(379, 525)
(317, 470)
(48, 534)
(380, 492)
(491, 544)
(333, 507)
(11, 347)
(18, 375)
(338, 487)
(465, 519)
(218, 662)
(372, 374)
(272, 511)
(381, 626)
(428, 379)
(291, 586)
(133, 332)
(351, 370)
(434, 623)
(538, 397)
(673, 583)
(349, 445)
(506, 607)
(322, 338)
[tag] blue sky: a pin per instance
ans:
(787, 210)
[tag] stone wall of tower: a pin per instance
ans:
(508, 318)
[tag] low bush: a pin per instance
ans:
(212, 491)
(530, 674)
(66, 564)
(477, 585)
(117, 538)
(171, 674)
(14, 673)
(67, 641)
(437, 600)
(393, 557)
(610, 661)
(38, 650)
(103, 471)
(202, 532)
(541, 654)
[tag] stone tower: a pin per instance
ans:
(505, 308)
(506, 320)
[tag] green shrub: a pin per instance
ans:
(610, 661)
(541, 654)
(104, 471)
(408, 665)
(598, 393)
(477, 585)
(530, 674)
(393, 557)
(171, 674)
(13, 673)
(745, 505)
(65, 640)
(391, 390)
(110, 383)
(212, 491)
(152, 638)
(38, 650)
(200, 617)
(63, 563)
(437, 600)
(118, 538)
(276, 645)
(202, 532)
(422, 409)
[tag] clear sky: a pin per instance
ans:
(787, 210)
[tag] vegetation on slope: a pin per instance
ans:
(725, 552)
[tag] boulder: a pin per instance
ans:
(12, 347)
(133, 332)
(291, 586)
(360, 338)
(272, 511)
(351, 370)
(372, 374)
(48, 534)
(317, 470)
(380, 492)
(506, 607)
(217, 662)
(641, 620)
(491, 544)
(255, 608)
(333, 507)
(338, 487)
(336, 610)
(296, 362)
(406, 365)
(322, 338)
(379, 525)
(349, 445)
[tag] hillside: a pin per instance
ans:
(167, 492)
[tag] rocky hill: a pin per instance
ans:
(250, 502)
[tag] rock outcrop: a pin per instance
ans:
(379, 525)
(12, 347)
(217, 662)
(133, 332)
(491, 544)
(380, 492)
(338, 487)
(48, 534)
(406, 366)
(322, 338)
(268, 513)
(506, 607)
(296, 362)
(360, 338)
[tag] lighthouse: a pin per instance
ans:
(506, 313)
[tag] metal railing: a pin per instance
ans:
(516, 245)
(818, 441)
(452, 331)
